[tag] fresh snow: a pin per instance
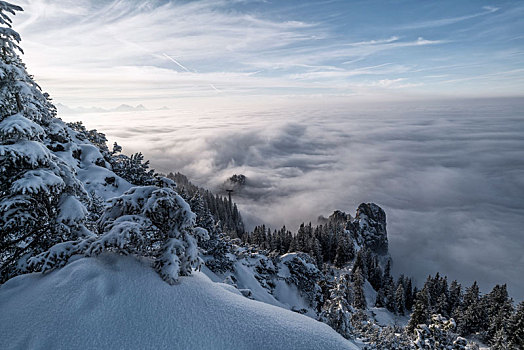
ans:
(71, 210)
(94, 177)
(36, 181)
(246, 280)
(291, 256)
(18, 124)
(119, 302)
(33, 152)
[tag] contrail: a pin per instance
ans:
(213, 86)
(187, 70)
(175, 61)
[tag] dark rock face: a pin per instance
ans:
(367, 228)
(339, 217)
(370, 227)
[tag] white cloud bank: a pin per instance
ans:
(449, 175)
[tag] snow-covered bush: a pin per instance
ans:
(266, 270)
(304, 274)
(219, 252)
(149, 221)
(439, 334)
(384, 338)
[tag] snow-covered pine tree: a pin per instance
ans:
(516, 328)
(400, 302)
(379, 300)
(441, 306)
(408, 294)
(455, 297)
(420, 314)
(344, 252)
(471, 318)
(359, 299)
(389, 288)
(500, 341)
(337, 310)
(204, 218)
(133, 169)
(498, 309)
(40, 197)
(315, 251)
(218, 246)
(387, 338)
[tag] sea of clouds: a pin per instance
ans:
(450, 175)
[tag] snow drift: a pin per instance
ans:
(118, 302)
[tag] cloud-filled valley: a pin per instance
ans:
(449, 174)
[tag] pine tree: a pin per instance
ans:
(316, 251)
(442, 305)
(408, 294)
(337, 310)
(500, 341)
(204, 218)
(133, 169)
(344, 252)
(375, 274)
(359, 299)
(400, 303)
(359, 262)
(379, 300)
(387, 278)
(471, 313)
(420, 314)
(516, 328)
(498, 308)
(41, 201)
(455, 297)
(389, 296)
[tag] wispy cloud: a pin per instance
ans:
(450, 20)
(375, 42)
(218, 45)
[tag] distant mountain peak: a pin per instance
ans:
(121, 108)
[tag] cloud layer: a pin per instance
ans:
(449, 174)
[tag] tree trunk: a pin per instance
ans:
(19, 103)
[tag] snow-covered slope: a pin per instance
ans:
(117, 302)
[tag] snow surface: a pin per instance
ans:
(36, 181)
(118, 302)
(18, 124)
(246, 280)
(93, 176)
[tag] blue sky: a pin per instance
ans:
(105, 53)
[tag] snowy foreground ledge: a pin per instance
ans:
(118, 302)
